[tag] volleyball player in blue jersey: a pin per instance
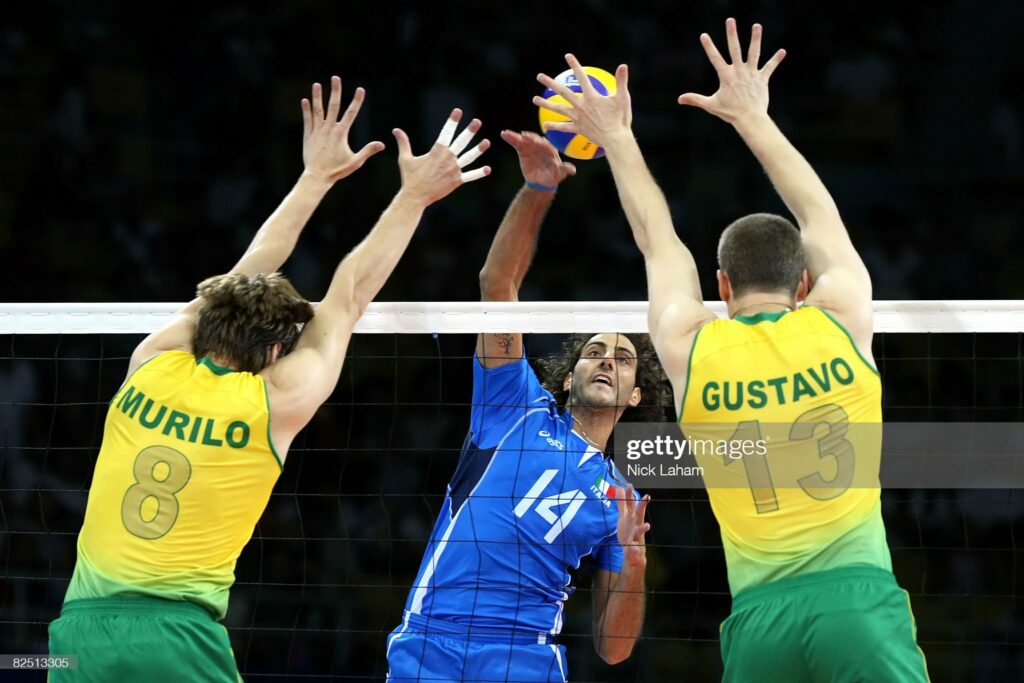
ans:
(533, 495)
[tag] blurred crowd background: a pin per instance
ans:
(141, 146)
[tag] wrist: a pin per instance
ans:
(750, 121)
(619, 142)
(315, 181)
(412, 199)
(634, 565)
(540, 187)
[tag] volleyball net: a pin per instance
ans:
(326, 575)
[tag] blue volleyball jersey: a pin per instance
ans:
(529, 500)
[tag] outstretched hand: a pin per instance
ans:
(742, 86)
(599, 118)
(325, 149)
(539, 161)
(436, 174)
(631, 527)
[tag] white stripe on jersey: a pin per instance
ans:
(557, 628)
(558, 656)
(391, 641)
(587, 454)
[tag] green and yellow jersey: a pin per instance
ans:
(184, 472)
(795, 489)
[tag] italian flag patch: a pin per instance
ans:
(604, 487)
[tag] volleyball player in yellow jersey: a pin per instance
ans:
(814, 597)
(197, 435)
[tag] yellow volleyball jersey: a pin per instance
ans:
(784, 416)
(184, 472)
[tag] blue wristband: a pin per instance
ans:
(542, 188)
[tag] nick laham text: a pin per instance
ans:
(636, 469)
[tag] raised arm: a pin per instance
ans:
(301, 381)
(516, 240)
(840, 281)
(619, 598)
(676, 305)
(327, 158)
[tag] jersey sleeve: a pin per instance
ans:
(608, 555)
(501, 396)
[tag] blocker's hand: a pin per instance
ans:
(436, 174)
(325, 150)
(538, 159)
(742, 87)
(599, 118)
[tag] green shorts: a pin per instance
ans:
(138, 638)
(846, 624)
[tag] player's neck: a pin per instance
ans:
(595, 425)
(223, 362)
(760, 302)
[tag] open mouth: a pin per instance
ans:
(602, 379)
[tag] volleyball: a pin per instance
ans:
(572, 144)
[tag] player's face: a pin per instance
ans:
(605, 374)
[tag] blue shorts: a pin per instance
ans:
(434, 651)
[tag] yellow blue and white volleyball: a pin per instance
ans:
(572, 144)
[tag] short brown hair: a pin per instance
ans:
(242, 317)
(762, 252)
(655, 392)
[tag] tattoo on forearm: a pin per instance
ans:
(505, 341)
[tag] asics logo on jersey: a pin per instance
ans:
(554, 442)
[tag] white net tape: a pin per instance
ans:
(461, 317)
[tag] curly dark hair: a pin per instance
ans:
(655, 392)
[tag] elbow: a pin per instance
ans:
(350, 291)
(358, 306)
(361, 295)
(616, 657)
(345, 309)
(643, 243)
(612, 660)
(494, 287)
(616, 652)
(488, 280)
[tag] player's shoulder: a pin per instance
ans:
(516, 380)
(169, 358)
(176, 363)
(855, 321)
(741, 328)
(508, 371)
(518, 419)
